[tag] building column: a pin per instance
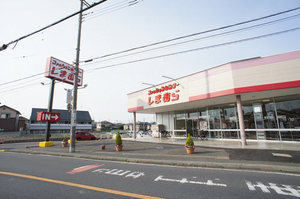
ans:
(241, 119)
(134, 125)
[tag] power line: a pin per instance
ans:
(111, 8)
(191, 35)
(31, 76)
(177, 43)
(197, 49)
(22, 83)
(197, 39)
(4, 46)
(13, 89)
(180, 52)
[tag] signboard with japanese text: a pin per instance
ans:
(48, 116)
(62, 71)
(164, 94)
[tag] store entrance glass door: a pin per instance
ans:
(192, 127)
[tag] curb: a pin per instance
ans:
(27, 140)
(239, 166)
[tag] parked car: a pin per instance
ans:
(84, 136)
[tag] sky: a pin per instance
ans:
(115, 26)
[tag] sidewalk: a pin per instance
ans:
(230, 144)
(277, 157)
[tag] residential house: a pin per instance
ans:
(140, 126)
(10, 119)
(104, 126)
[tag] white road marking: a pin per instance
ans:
(118, 172)
(286, 190)
(184, 181)
(168, 166)
(285, 155)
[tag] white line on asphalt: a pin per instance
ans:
(148, 164)
(285, 155)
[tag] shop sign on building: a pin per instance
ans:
(62, 71)
(164, 94)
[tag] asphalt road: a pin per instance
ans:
(36, 176)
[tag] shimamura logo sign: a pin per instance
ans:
(164, 94)
(62, 71)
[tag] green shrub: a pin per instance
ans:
(65, 139)
(118, 140)
(189, 141)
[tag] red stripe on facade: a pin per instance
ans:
(248, 89)
(135, 108)
(267, 87)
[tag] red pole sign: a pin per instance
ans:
(48, 116)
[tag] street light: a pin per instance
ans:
(148, 84)
(70, 97)
(84, 86)
(172, 79)
(168, 77)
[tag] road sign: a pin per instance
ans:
(48, 116)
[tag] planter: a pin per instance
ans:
(64, 144)
(189, 150)
(119, 147)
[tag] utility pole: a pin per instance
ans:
(74, 107)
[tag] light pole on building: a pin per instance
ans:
(148, 84)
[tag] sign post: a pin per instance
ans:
(61, 71)
(50, 103)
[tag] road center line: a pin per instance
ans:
(111, 191)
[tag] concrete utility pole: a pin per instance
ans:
(74, 107)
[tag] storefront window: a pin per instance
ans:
(266, 119)
(229, 121)
(203, 121)
(248, 117)
(192, 123)
(269, 119)
(214, 123)
(194, 115)
(249, 121)
(288, 113)
(214, 119)
(269, 115)
(228, 116)
(180, 121)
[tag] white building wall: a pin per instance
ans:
(159, 118)
(222, 81)
(171, 121)
(167, 119)
(267, 74)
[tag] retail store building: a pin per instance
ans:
(257, 99)
(84, 121)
